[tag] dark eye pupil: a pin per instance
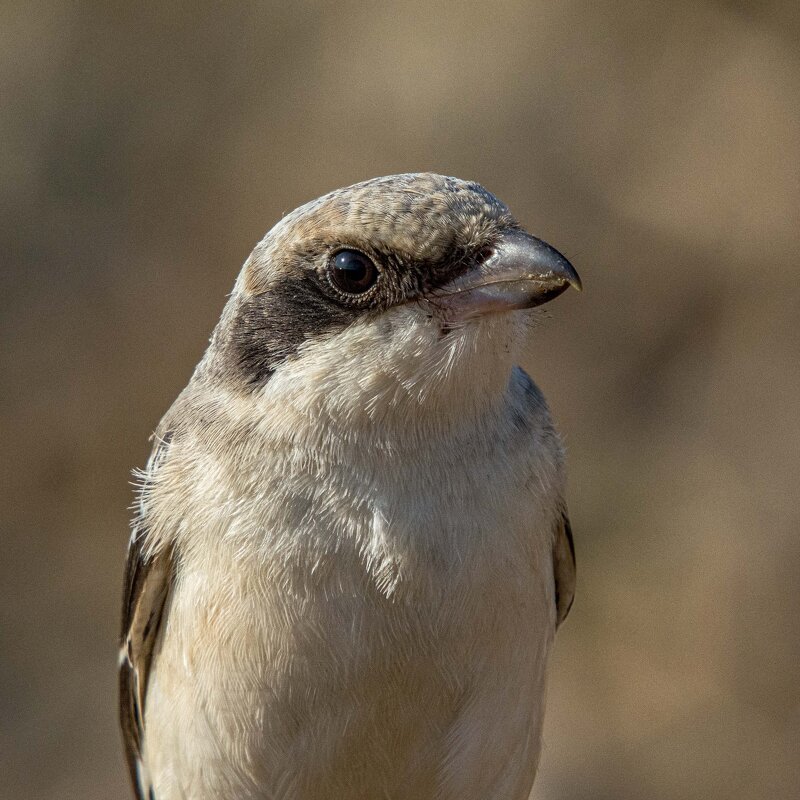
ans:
(352, 272)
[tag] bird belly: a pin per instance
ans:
(385, 643)
(345, 692)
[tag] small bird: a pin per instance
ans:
(351, 548)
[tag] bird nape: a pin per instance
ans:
(351, 549)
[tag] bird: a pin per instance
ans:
(351, 549)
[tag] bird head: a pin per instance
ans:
(393, 294)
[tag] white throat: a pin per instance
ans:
(397, 377)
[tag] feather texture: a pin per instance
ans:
(148, 580)
(564, 568)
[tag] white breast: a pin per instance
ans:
(372, 621)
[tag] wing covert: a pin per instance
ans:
(148, 580)
(564, 568)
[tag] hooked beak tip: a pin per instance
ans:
(520, 272)
(537, 260)
(575, 280)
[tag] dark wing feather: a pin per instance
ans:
(148, 579)
(564, 568)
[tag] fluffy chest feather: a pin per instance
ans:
(358, 619)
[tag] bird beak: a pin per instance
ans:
(521, 272)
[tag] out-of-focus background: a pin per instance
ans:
(143, 152)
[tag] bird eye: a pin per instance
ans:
(352, 272)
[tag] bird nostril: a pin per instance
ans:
(484, 254)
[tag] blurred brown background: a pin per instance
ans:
(144, 152)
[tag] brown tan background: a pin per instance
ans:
(144, 152)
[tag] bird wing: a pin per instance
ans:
(148, 579)
(564, 567)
